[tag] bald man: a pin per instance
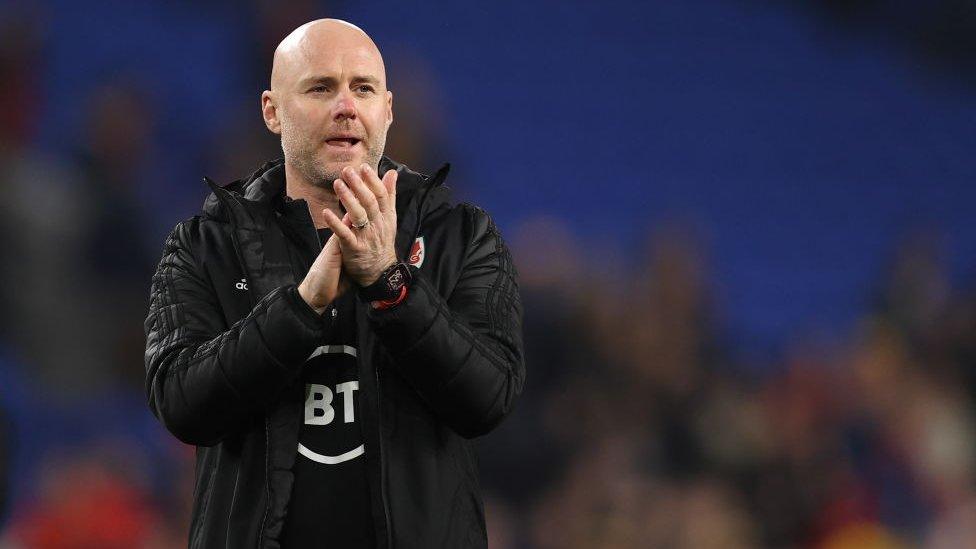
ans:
(331, 331)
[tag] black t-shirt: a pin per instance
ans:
(330, 504)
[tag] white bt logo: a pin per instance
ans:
(318, 404)
(323, 405)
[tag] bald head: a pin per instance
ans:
(322, 37)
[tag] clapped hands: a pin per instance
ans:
(362, 243)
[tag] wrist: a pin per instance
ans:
(303, 292)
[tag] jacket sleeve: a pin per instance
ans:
(203, 380)
(462, 354)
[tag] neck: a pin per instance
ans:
(317, 197)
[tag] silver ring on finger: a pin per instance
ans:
(361, 224)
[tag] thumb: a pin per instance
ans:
(332, 253)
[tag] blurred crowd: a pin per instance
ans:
(641, 425)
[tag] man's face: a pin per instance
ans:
(332, 106)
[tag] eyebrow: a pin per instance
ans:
(366, 79)
(331, 80)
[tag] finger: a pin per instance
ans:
(389, 181)
(350, 202)
(339, 228)
(363, 192)
(331, 249)
(347, 219)
(330, 258)
(365, 196)
(372, 181)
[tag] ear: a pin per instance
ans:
(389, 108)
(270, 112)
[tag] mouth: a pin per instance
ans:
(343, 142)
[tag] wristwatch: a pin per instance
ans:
(390, 287)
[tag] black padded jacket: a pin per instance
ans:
(227, 335)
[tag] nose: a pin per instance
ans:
(345, 106)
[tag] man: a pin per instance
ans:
(331, 388)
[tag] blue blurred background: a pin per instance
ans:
(743, 229)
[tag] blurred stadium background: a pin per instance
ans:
(744, 230)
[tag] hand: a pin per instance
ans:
(369, 250)
(323, 282)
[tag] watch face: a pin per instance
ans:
(396, 279)
(389, 285)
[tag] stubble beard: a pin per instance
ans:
(303, 155)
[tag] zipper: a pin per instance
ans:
(334, 314)
(379, 426)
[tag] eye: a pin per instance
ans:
(320, 88)
(364, 89)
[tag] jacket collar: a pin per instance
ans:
(248, 203)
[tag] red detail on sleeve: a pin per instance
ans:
(380, 305)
